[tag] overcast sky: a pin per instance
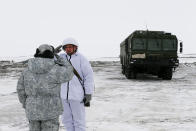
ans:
(98, 25)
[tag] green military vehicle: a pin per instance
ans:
(151, 52)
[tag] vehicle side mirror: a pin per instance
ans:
(181, 47)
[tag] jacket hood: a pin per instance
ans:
(70, 41)
(40, 65)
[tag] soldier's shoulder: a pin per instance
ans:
(81, 56)
(62, 55)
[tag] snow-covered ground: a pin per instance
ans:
(119, 104)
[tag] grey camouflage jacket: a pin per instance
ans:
(39, 87)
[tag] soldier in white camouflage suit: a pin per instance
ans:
(77, 93)
(39, 89)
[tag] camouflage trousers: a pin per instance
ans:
(44, 125)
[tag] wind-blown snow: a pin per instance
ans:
(145, 104)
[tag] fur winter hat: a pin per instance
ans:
(45, 51)
(70, 41)
(45, 47)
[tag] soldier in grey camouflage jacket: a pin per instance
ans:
(39, 88)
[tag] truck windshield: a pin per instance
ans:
(154, 44)
(139, 44)
(169, 44)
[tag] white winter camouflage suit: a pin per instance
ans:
(39, 92)
(72, 93)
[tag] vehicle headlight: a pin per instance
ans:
(132, 61)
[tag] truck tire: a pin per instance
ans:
(130, 74)
(160, 74)
(123, 69)
(134, 75)
(167, 74)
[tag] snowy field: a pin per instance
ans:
(145, 104)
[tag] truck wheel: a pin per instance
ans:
(134, 75)
(130, 74)
(160, 74)
(167, 74)
(123, 69)
(127, 73)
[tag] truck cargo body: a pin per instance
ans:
(151, 52)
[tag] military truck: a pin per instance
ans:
(150, 52)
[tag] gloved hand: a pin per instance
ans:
(87, 99)
(57, 49)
